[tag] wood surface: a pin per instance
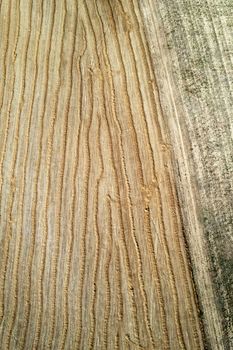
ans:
(99, 230)
(192, 49)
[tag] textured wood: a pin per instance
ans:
(93, 253)
(191, 45)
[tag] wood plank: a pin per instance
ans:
(93, 252)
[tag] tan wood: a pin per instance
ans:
(93, 252)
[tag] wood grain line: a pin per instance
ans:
(9, 228)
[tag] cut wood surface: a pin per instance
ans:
(192, 50)
(93, 240)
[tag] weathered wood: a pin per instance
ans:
(192, 55)
(93, 254)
